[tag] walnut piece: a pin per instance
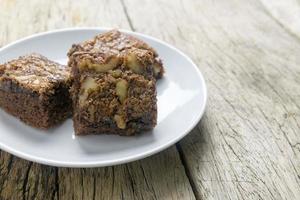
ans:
(157, 70)
(121, 89)
(87, 85)
(115, 73)
(133, 63)
(103, 67)
(120, 121)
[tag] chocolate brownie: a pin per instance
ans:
(114, 85)
(36, 90)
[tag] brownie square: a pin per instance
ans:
(35, 90)
(114, 89)
(122, 104)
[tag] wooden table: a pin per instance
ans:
(247, 146)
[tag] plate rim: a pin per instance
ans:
(127, 159)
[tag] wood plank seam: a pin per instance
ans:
(127, 15)
(178, 148)
(26, 180)
(55, 192)
(186, 170)
(278, 22)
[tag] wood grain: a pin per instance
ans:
(158, 177)
(286, 13)
(247, 144)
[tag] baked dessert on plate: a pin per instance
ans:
(114, 88)
(180, 100)
(35, 90)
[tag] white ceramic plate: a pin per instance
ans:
(181, 103)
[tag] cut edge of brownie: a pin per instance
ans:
(35, 111)
(114, 111)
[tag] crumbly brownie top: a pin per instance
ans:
(111, 43)
(34, 72)
(112, 49)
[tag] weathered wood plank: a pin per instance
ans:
(25, 180)
(247, 144)
(158, 177)
(22, 18)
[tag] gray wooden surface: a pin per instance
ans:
(247, 146)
